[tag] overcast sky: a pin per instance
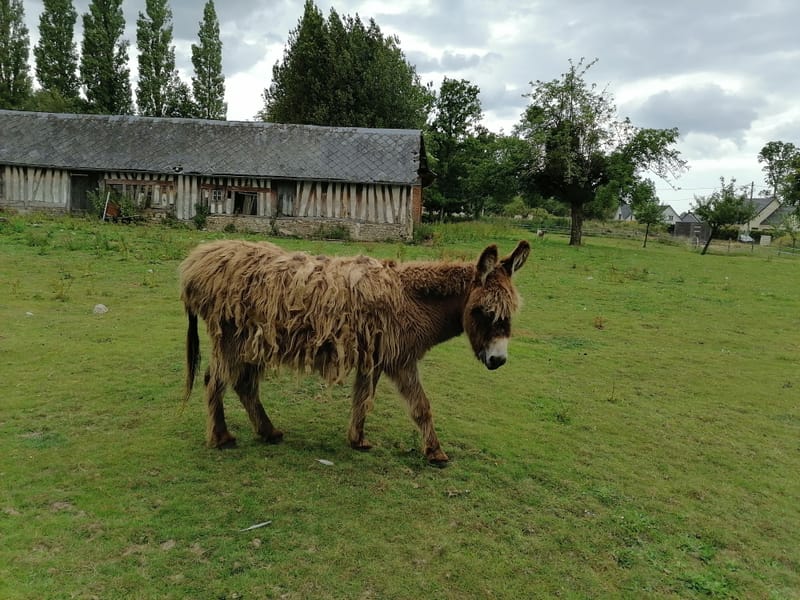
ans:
(725, 72)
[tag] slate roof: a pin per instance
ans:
(211, 148)
(778, 215)
(761, 203)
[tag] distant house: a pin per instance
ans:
(669, 215)
(624, 213)
(766, 215)
(779, 217)
(689, 226)
(295, 179)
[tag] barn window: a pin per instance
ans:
(141, 194)
(213, 198)
(245, 203)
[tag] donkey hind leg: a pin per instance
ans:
(247, 388)
(363, 395)
(217, 434)
(407, 381)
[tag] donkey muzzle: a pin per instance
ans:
(495, 354)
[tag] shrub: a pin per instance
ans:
(201, 212)
(423, 232)
(515, 207)
(126, 205)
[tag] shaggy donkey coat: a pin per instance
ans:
(265, 307)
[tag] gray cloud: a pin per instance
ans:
(708, 109)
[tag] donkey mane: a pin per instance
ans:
(265, 307)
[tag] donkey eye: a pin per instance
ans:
(503, 327)
(482, 314)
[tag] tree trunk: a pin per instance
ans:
(646, 231)
(576, 229)
(711, 234)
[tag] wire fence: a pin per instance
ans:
(716, 246)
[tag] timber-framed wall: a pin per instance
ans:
(290, 179)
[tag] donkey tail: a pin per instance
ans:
(192, 355)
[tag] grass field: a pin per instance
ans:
(642, 442)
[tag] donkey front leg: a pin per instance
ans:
(363, 395)
(407, 381)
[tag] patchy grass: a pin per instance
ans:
(641, 442)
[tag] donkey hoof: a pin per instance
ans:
(221, 442)
(273, 437)
(436, 457)
(361, 446)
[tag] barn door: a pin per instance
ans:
(80, 186)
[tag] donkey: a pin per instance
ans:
(265, 307)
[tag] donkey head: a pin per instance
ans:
(492, 301)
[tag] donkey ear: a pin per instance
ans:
(487, 262)
(514, 261)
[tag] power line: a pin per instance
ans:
(683, 189)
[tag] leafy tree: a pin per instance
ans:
(299, 92)
(646, 150)
(388, 90)
(208, 83)
(726, 206)
(577, 146)
(15, 80)
(457, 111)
(450, 139)
(57, 53)
(778, 158)
(180, 102)
(104, 59)
(43, 100)
(646, 207)
(341, 72)
(157, 74)
(790, 227)
(492, 167)
(790, 186)
(570, 128)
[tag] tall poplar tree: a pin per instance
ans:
(15, 79)
(208, 83)
(104, 59)
(57, 53)
(157, 74)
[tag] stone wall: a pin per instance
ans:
(311, 227)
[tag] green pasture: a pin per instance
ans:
(643, 440)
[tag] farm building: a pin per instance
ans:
(293, 179)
